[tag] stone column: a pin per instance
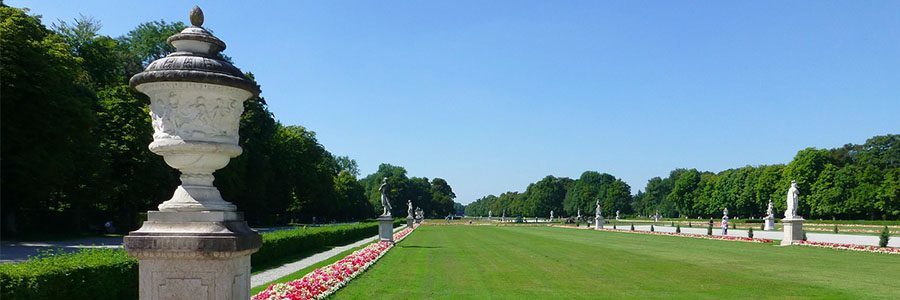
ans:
(386, 228)
(793, 230)
(770, 223)
(197, 246)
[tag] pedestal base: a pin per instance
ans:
(770, 223)
(386, 229)
(598, 224)
(793, 230)
(193, 255)
(409, 222)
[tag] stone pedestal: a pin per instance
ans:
(598, 223)
(769, 223)
(793, 230)
(386, 229)
(193, 255)
(410, 221)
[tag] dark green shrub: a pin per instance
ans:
(750, 232)
(884, 237)
(87, 274)
(651, 228)
(733, 225)
(690, 224)
(632, 226)
(279, 246)
(762, 227)
(835, 228)
(804, 235)
(614, 225)
(678, 228)
(673, 224)
(709, 230)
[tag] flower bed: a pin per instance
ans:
(690, 235)
(326, 280)
(851, 247)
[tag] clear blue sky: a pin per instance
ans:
(493, 95)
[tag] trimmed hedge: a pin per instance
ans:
(87, 274)
(283, 244)
(112, 274)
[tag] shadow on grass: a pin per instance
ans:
(423, 247)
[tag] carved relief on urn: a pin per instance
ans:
(196, 101)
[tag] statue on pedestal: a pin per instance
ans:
(551, 216)
(770, 217)
(385, 201)
(409, 210)
(617, 215)
(792, 198)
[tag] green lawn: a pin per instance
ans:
(543, 262)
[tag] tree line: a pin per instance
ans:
(75, 136)
(850, 182)
(564, 196)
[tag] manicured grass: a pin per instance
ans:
(512, 262)
(302, 272)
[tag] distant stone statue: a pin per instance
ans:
(490, 214)
(770, 217)
(617, 214)
(385, 201)
(551, 216)
(409, 210)
(793, 195)
(725, 212)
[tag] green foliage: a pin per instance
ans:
(632, 226)
(678, 228)
(884, 237)
(49, 153)
(835, 228)
(709, 229)
(750, 232)
(87, 274)
(804, 235)
(651, 228)
(851, 182)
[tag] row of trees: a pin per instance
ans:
(75, 136)
(562, 195)
(850, 182)
(435, 197)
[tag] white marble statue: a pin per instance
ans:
(725, 212)
(490, 214)
(793, 195)
(409, 210)
(551, 216)
(617, 214)
(597, 210)
(770, 210)
(385, 201)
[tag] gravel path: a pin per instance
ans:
(871, 240)
(286, 269)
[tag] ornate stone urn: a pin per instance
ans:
(197, 246)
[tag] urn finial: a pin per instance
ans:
(197, 16)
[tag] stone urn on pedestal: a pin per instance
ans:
(197, 245)
(793, 224)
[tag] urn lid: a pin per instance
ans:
(196, 59)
